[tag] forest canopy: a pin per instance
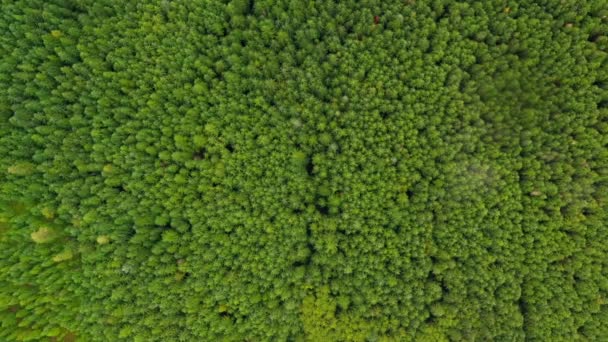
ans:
(269, 170)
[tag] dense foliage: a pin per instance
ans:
(268, 170)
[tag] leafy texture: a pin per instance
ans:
(256, 170)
